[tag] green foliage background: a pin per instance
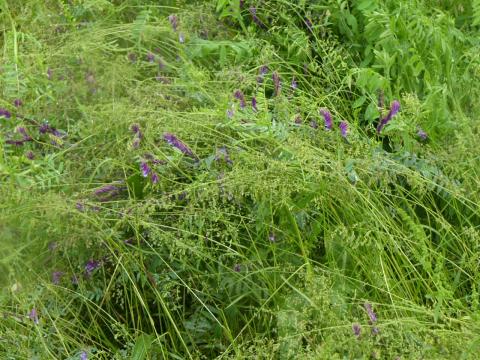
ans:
(271, 255)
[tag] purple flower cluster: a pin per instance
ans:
(33, 315)
(90, 266)
(422, 134)
(17, 103)
(394, 109)
(356, 330)
(256, 20)
(372, 316)
(5, 113)
(57, 277)
(135, 128)
(343, 128)
(254, 104)
(327, 117)
(177, 143)
(240, 97)
(294, 84)
(261, 73)
(107, 192)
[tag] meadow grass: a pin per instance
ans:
(151, 209)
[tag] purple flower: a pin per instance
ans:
(44, 128)
(343, 128)
(272, 237)
(253, 12)
(30, 155)
(230, 113)
(175, 142)
(22, 131)
(422, 134)
(155, 178)
(277, 83)
(135, 128)
(261, 74)
(17, 103)
(314, 124)
(239, 96)
(294, 84)
(107, 189)
(90, 266)
(150, 57)
(375, 330)
(33, 316)
(5, 113)
(56, 277)
(298, 119)
(394, 109)
(173, 21)
(145, 169)
(15, 142)
(181, 38)
(356, 329)
(237, 268)
(371, 314)
(254, 104)
(83, 355)
(49, 74)
(80, 207)
(327, 117)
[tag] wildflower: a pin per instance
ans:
(173, 21)
(294, 84)
(136, 143)
(394, 109)
(83, 355)
(230, 113)
(375, 330)
(30, 155)
(44, 128)
(314, 124)
(5, 113)
(237, 268)
(371, 314)
(90, 266)
(253, 12)
(22, 131)
(34, 316)
(80, 207)
(422, 134)
(239, 96)
(155, 178)
(327, 117)
(298, 119)
(254, 104)
(56, 277)
(107, 189)
(175, 142)
(181, 38)
(150, 57)
(277, 83)
(17, 103)
(145, 169)
(262, 72)
(343, 128)
(15, 142)
(356, 329)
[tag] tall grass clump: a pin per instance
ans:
(236, 179)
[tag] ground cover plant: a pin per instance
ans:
(232, 179)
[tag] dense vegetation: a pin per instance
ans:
(240, 179)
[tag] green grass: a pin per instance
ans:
(269, 240)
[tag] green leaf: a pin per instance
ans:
(142, 346)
